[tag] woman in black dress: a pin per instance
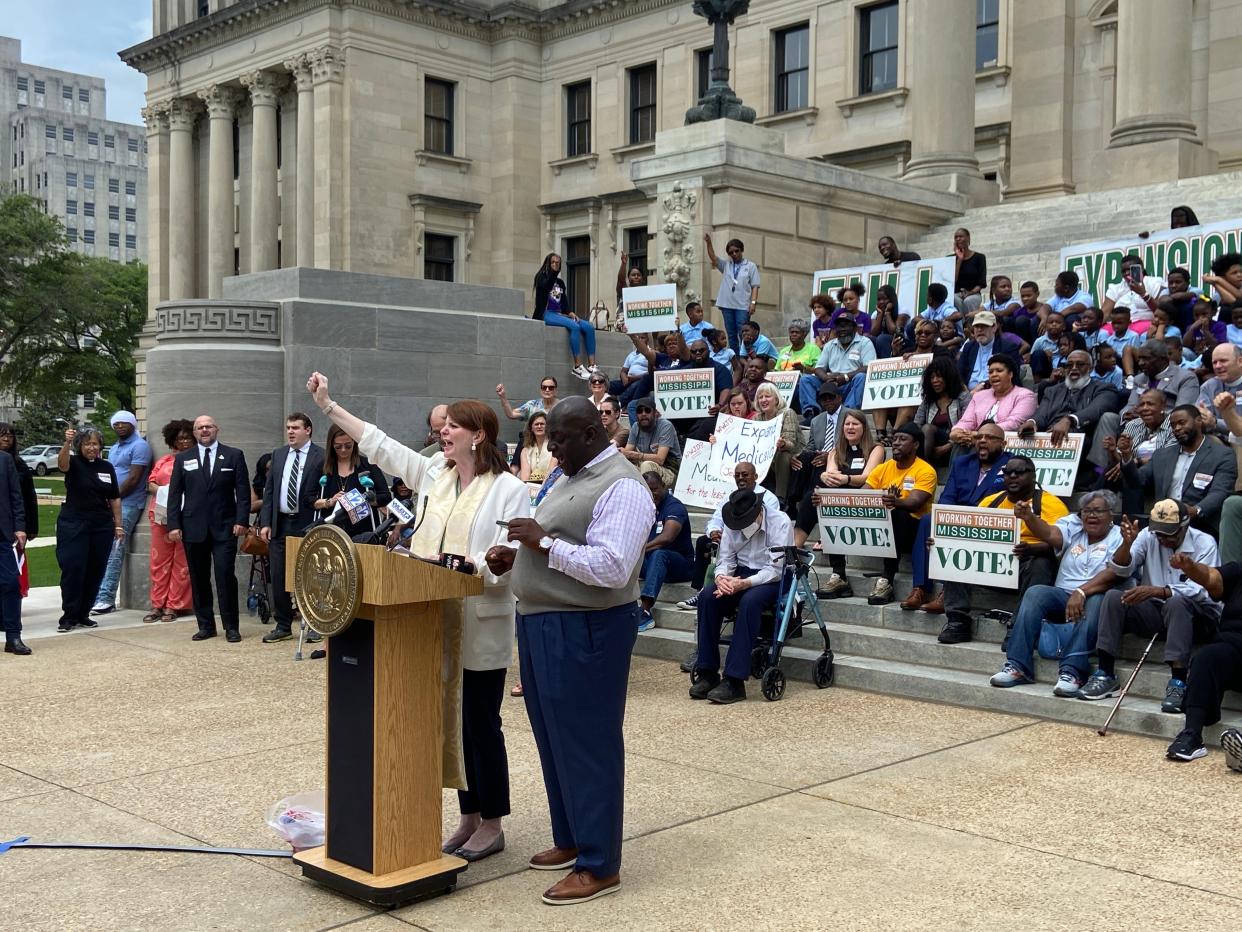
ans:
(972, 273)
(343, 468)
(88, 525)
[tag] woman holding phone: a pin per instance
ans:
(462, 517)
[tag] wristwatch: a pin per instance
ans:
(545, 543)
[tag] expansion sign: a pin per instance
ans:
(650, 308)
(1193, 248)
(895, 383)
(1055, 467)
(910, 279)
(684, 392)
(974, 546)
(855, 521)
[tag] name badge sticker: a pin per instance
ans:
(908, 483)
(1202, 480)
(857, 463)
(104, 477)
(190, 465)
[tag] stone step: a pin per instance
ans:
(1137, 714)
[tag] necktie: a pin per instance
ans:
(830, 436)
(206, 461)
(291, 493)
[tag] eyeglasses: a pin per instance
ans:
(342, 446)
(547, 388)
(597, 381)
(1015, 472)
(1094, 512)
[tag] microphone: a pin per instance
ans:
(379, 535)
(368, 489)
(323, 490)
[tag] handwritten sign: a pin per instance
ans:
(684, 392)
(705, 477)
(786, 383)
(895, 383)
(649, 308)
(855, 521)
(974, 546)
(1055, 467)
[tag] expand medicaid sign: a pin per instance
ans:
(1098, 265)
(910, 279)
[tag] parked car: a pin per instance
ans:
(41, 457)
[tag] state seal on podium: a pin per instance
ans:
(327, 580)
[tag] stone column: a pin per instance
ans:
(264, 217)
(942, 95)
(1041, 162)
(182, 114)
(327, 73)
(221, 104)
(305, 212)
(156, 118)
(1153, 102)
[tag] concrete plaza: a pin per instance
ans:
(828, 809)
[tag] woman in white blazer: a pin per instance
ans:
(459, 516)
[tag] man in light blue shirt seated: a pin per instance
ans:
(695, 326)
(843, 362)
(1068, 298)
(755, 343)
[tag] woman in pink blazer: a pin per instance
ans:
(1003, 401)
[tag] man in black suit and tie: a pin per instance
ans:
(12, 533)
(288, 506)
(208, 508)
(1198, 472)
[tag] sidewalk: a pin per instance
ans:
(41, 614)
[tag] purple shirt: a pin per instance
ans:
(862, 318)
(615, 537)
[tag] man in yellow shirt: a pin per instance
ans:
(1037, 563)
(910, 483)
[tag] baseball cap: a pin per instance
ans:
(1167, 517)
(828, 389)
(984, 317)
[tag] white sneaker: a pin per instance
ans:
(1067, 686)
(581, 372)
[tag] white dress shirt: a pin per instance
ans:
(300, 454)
(755, 554)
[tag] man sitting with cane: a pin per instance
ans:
(748, 579)
(1167, 599)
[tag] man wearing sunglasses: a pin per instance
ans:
(1167, 599)
(1074, 405)
(1037, 563)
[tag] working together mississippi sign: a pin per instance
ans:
(705, 476)
(910, 279)
(974, 546)
(855, 521)
(649, 308)
(684, 392)
(786, 383)
(895, 383)
(1055, 467)
(1193, 248)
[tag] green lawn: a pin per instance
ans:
(41, 562)
(47, 519)
(53, 484)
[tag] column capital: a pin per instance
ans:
(183, 114)
(300, 67)
(156, 117)
(265, 87)
(327, 64)
(221, 101)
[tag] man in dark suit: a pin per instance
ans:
(988, 339)
(208, 508)
(1072, 406)
(1198, 472)
(288, 506)
(13, 534)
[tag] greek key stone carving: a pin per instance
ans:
(216, 320)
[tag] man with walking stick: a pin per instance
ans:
(1167, 599)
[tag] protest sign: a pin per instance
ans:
(705, 476)
(684, 392)
(650, 308)
(1055, 467)
(895, 383)
(855, 521)
(974, 546)
(1098, 265)
(786, 383)
(910, 279)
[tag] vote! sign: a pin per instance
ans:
(894, 383)
(684, 392)
(650, 308)
(786, 383)
(1055, 467)
(855, 521)
(705, 476)
(974, 546)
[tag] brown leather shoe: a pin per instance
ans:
(554, 859)
(579, 887)
(914, 601)
(936, 605)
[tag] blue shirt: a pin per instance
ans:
(1115, 378)
(845, 359)
(1233, 335)
(672, 509)
(1045, 344)
(724, 357)
(691, 332)
(1059, 304)
(1119, 343)
(762, 347)
(938, 313)
(132, 451)
(979, 374)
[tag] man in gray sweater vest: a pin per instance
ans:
(575, 575)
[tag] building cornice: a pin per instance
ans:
(513, 20)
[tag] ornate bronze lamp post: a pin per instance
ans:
(720, 103)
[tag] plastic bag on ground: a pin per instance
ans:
(299, 819)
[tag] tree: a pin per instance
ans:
(33, 249)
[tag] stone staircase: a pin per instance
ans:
(884, 649)
(1023, 239)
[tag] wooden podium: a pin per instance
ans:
(384, 734)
